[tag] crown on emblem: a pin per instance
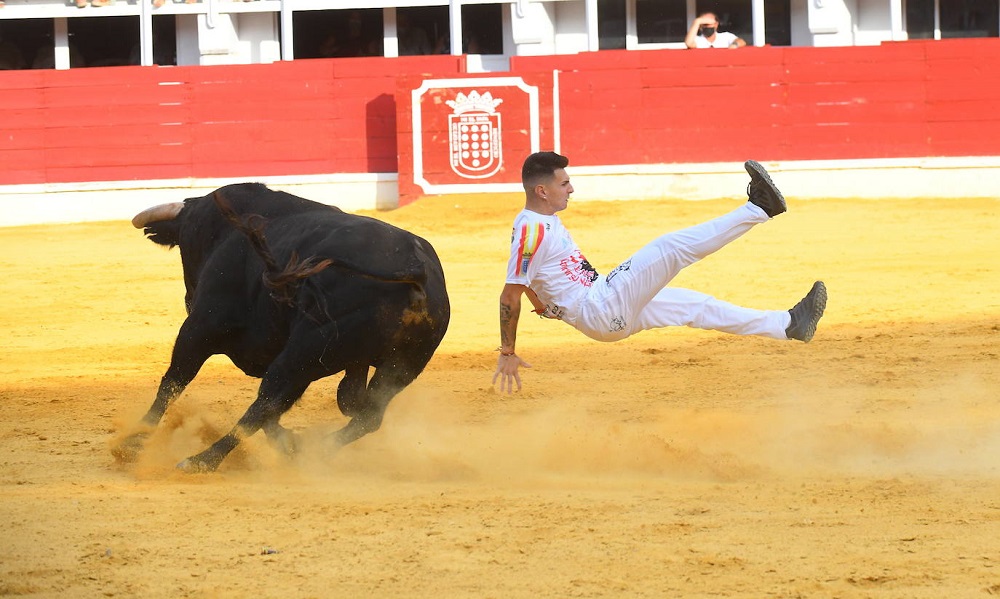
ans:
(473, 102)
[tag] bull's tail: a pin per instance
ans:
(284, 281)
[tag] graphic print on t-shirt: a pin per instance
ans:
(577, 269)
(531, 237)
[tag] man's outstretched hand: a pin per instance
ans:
(507, 366)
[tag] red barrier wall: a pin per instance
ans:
(137, 123)
(909, 99)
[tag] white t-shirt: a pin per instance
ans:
(723, 39)
(544, 258)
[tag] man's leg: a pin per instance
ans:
(637, 281)
(673, 306)
(613, 306)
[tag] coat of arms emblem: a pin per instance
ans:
(474, 140)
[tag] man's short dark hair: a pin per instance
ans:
(541, 166)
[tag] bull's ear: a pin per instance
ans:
(164, 232)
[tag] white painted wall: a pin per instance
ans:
(121, 200)
(218, 40)
(187, 40)
(874, 24)
(903, 178)
(571, 27)
(260, 31)
(533, 30)
(237, 38)
(841, 22)
(831, 22)
(801, 36)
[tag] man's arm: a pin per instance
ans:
(508, 361)
(510, 314)
(738, 43)
(693, 33)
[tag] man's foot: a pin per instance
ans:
(807, 313)
(762, 191)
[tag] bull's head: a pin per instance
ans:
(198, 225)
(180, 224)
(153, 219)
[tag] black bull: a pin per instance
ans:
(293, 291)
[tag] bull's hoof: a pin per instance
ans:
(195, 465)
(287, 442)
(128, 450)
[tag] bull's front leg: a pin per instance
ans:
(127, 450)
(185, 362)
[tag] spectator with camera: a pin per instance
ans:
(704, 33)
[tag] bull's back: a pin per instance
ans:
(311, 229)
(365, 245)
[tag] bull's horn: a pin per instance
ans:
(157, 213)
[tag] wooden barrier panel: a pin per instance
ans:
(910, 99)
(903, 99)
(140, 123)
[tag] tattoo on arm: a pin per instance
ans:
(505, 317)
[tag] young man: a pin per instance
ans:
(704, 33)
(548, 268)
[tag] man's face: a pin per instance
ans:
(709, 25)
(555, 193)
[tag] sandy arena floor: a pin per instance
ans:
(679, 463)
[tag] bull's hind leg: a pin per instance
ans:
(277, 393)
(352, 391)
(386, 383)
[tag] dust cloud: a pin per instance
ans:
(950, 430)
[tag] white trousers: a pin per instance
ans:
(633, 296)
